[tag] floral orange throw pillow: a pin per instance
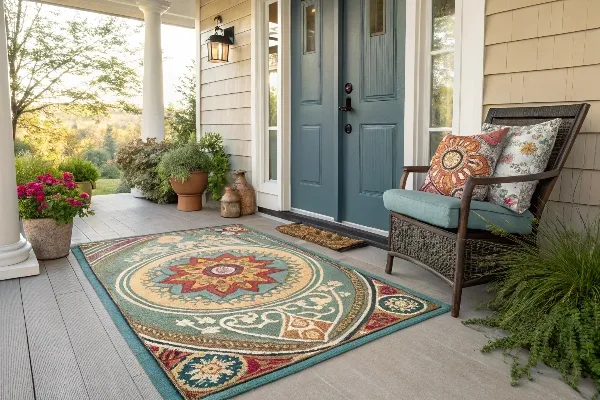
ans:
(458, 157)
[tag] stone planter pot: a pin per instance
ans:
(48, 239)
(86, 187)
(189, 193)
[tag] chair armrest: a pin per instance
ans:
(409, 170)
(465, 203)
(474, 181)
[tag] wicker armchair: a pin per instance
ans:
(462, 256)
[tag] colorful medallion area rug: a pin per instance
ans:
(226, 309)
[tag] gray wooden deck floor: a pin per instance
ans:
(58, 342)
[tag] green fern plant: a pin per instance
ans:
(548, 300)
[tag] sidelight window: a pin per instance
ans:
(441, 62)
(273, 88)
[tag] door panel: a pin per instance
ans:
(376, 159)
(371, 53)
(313, 107)
(374, 64)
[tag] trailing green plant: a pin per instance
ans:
(212, 144)
(82, 170)
(138, 161)
(51, 197)
(548, 300)
(180, 162)
(30, 167)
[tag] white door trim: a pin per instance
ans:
(277, 191)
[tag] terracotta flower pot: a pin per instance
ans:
(48, 239)
(189, 193)
(85, 187)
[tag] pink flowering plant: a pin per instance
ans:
(55, 198)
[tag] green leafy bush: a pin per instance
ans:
(98, 157)
(180, 162)
(110, 171)
(548, 300)
(82, 170)
(212, 144)
(22, 148)
(123, 187)
(138, 161)
(30, 167)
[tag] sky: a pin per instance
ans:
(178, 44)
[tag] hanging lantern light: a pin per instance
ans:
(218, 44)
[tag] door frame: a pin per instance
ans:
(469, 108)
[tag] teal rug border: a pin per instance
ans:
(158, 376)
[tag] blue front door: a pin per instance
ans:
(349, 156)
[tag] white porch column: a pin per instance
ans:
(153, 111)
(16, 257)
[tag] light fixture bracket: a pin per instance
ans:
(227, 33)
(218, 43)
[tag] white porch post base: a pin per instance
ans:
(30, 266)
(16, 257)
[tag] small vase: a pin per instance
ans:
(48, 239)
(246, 193)
(230, 204)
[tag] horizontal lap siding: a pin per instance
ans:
(544, 52)
(225, 93)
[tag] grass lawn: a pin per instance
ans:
(106, 186)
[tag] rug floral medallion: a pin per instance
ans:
(227, 309)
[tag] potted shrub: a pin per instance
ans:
(185, 169)
(137, 161)
(84, 172)
(47, 207)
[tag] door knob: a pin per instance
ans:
(348, 106)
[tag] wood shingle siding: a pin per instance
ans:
(542, 52)
(225, 93)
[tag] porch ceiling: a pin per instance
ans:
(181, 12)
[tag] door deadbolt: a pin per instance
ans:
(348, 129)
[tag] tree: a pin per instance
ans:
(180, 119)
(73, 64)
(48, 137)
(110, 144)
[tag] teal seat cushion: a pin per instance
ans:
(443, 211)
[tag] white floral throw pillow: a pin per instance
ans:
(527, 151)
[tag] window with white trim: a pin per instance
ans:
(272, 71)
(441, 49)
